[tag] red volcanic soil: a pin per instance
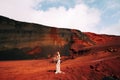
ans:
(100, 62)
(95, 65)
(102, 38)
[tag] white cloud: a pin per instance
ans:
(80, 17)
(113, 29)
(17, 9)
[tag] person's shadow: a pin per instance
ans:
(51, 70)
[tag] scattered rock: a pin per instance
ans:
(91, 67)
(110, 78)
(111, 49)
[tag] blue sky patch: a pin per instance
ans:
(47, 4)
(110, 10)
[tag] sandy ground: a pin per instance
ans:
(86, 67)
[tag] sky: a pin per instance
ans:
(98, 16)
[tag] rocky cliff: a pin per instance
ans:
(22, 40)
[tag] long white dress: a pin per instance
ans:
(58, 64)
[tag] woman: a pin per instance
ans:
(58, 63)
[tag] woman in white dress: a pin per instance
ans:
(58, 63)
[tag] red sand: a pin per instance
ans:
(86, 67)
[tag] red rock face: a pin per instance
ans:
(102, 39)
(21, 37)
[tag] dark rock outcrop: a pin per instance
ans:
(37, 40)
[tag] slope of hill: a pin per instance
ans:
(102, 38)
(36, 41)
